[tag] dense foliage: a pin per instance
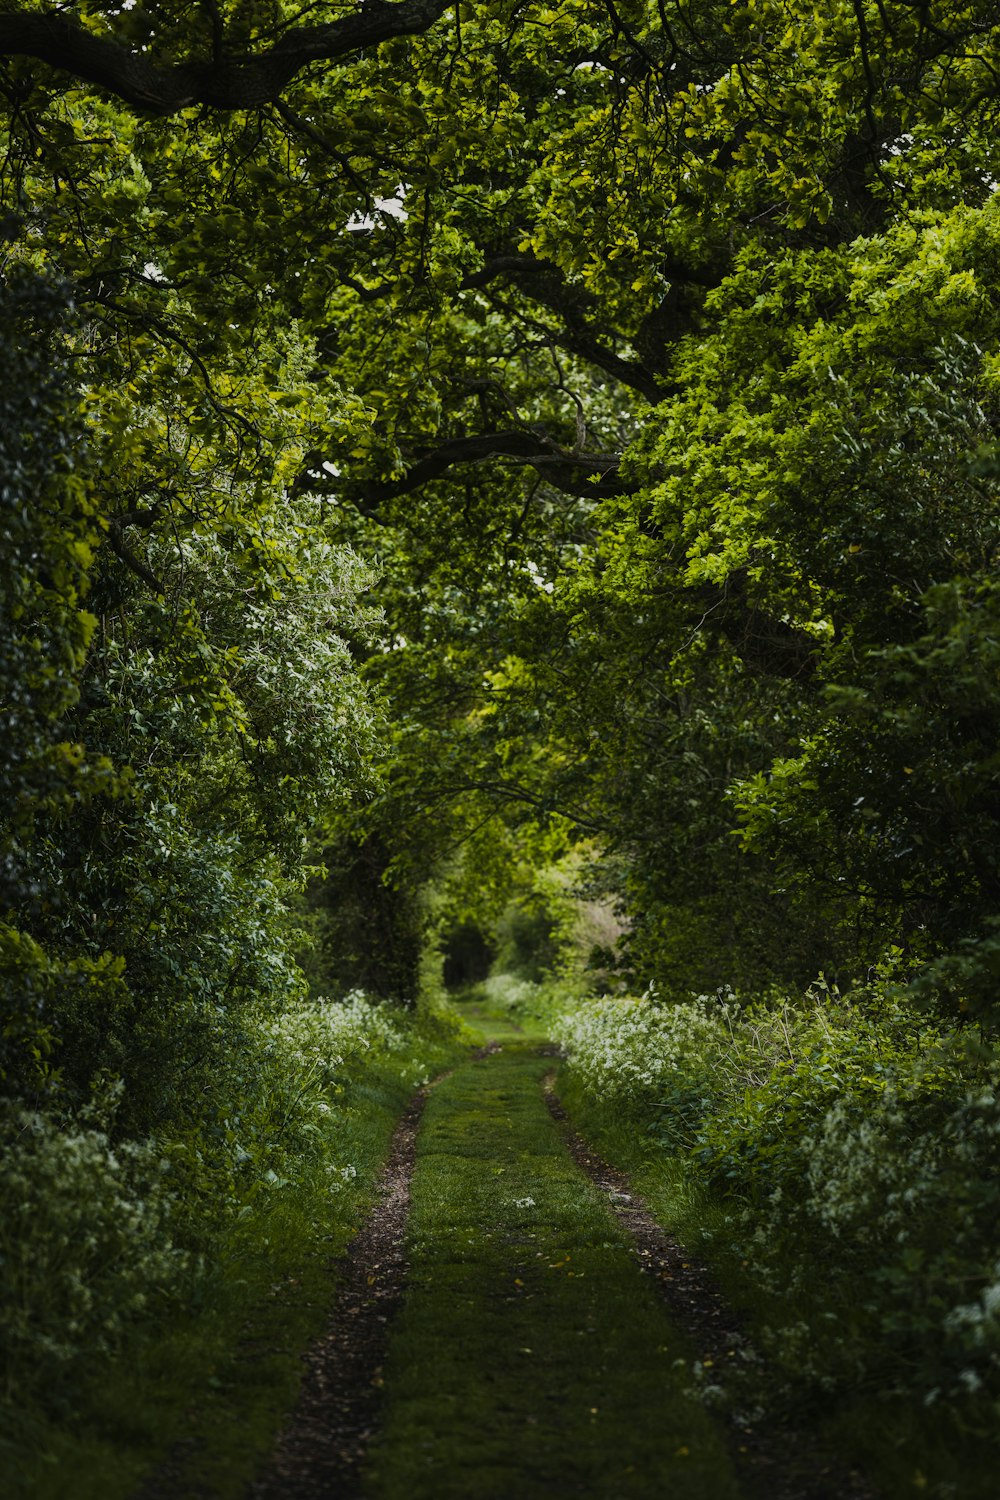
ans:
(853, 1148)
(653, 355)
(450, 454)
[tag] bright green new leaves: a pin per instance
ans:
(823, 416)
(819, 475)
(650, 350)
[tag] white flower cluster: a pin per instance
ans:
(84, 1238)
(322, 1041)
(340, 1177)
(507, 992)
(89, 1224)
(867, 1174)
(524, 1000)
(328, 1033)
(979, 1321)
(637, 1051)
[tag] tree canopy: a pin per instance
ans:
(446, 435)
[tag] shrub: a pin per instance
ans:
(855, 1146)
(525, 1000)
(96, 1230)
(666, 1061)
(85, 1242)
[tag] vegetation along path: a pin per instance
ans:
(531, 1356)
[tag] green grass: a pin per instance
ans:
(911, 1452)
(218, 1376)
(499, 1025)
(531, 1357)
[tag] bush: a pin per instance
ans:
(525, 1000)
(854, 1146)
(664, 1060)
(96, 1231)
(85, 1242)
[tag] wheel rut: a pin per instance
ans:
(322, 1449)
(772, 1458)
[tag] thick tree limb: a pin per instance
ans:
(125, 554)
(596, 474)
(574, 307)
(580, 334)
(577, 332)
(224, 83)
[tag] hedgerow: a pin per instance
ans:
(853, 1144)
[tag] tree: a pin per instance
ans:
(650, 349)
(175, 744)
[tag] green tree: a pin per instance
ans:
(650, 348)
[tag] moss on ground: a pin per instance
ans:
(531, 1358)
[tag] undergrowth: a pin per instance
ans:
(837, 1160)
(134, 1273)
(529, 1003)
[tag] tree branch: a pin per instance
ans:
(134, 563)
(512, 791)
(223, 83)
(573, 306)
(544, 283)
(766, 644)
(563, 468)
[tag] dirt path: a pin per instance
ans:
(495, 1339)
(772, 1458)
(530, 1357)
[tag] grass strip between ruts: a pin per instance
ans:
(531, 1358)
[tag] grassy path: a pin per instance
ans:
(531, 1357)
